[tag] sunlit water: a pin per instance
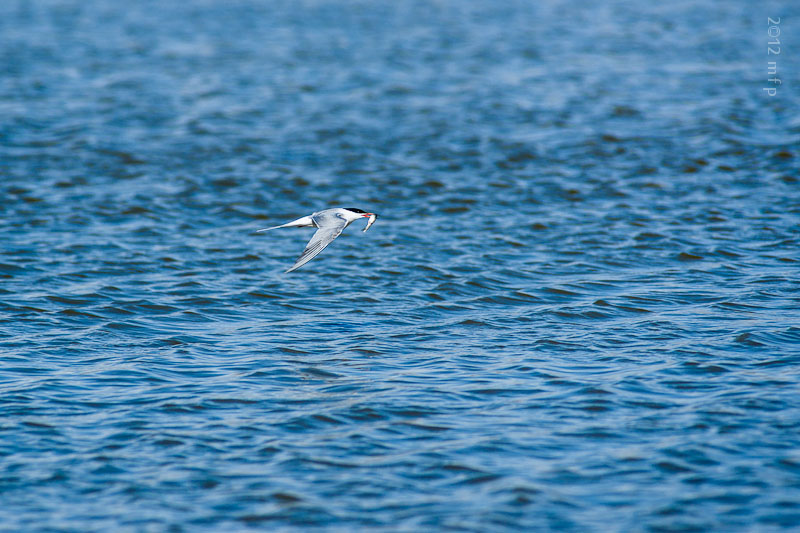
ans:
(578, 310)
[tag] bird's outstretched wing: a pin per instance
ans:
(330, 227)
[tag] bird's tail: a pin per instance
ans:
(299, 223)
(267, 229)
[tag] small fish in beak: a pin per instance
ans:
(372, 218)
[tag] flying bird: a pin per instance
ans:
(329, 223)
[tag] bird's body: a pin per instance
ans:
(329, 223)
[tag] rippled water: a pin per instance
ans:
(577, 312)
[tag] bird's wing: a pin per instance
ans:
(330, 227)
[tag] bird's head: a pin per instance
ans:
(358, 213)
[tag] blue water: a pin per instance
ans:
(579, 309)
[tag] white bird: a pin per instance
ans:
(330, 224)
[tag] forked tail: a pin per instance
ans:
(299, 223)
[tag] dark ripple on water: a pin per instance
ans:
(578, 308)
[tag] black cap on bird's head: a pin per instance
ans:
(356, 210)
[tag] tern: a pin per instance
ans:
(329, 223)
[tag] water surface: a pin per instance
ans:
(578, 310)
